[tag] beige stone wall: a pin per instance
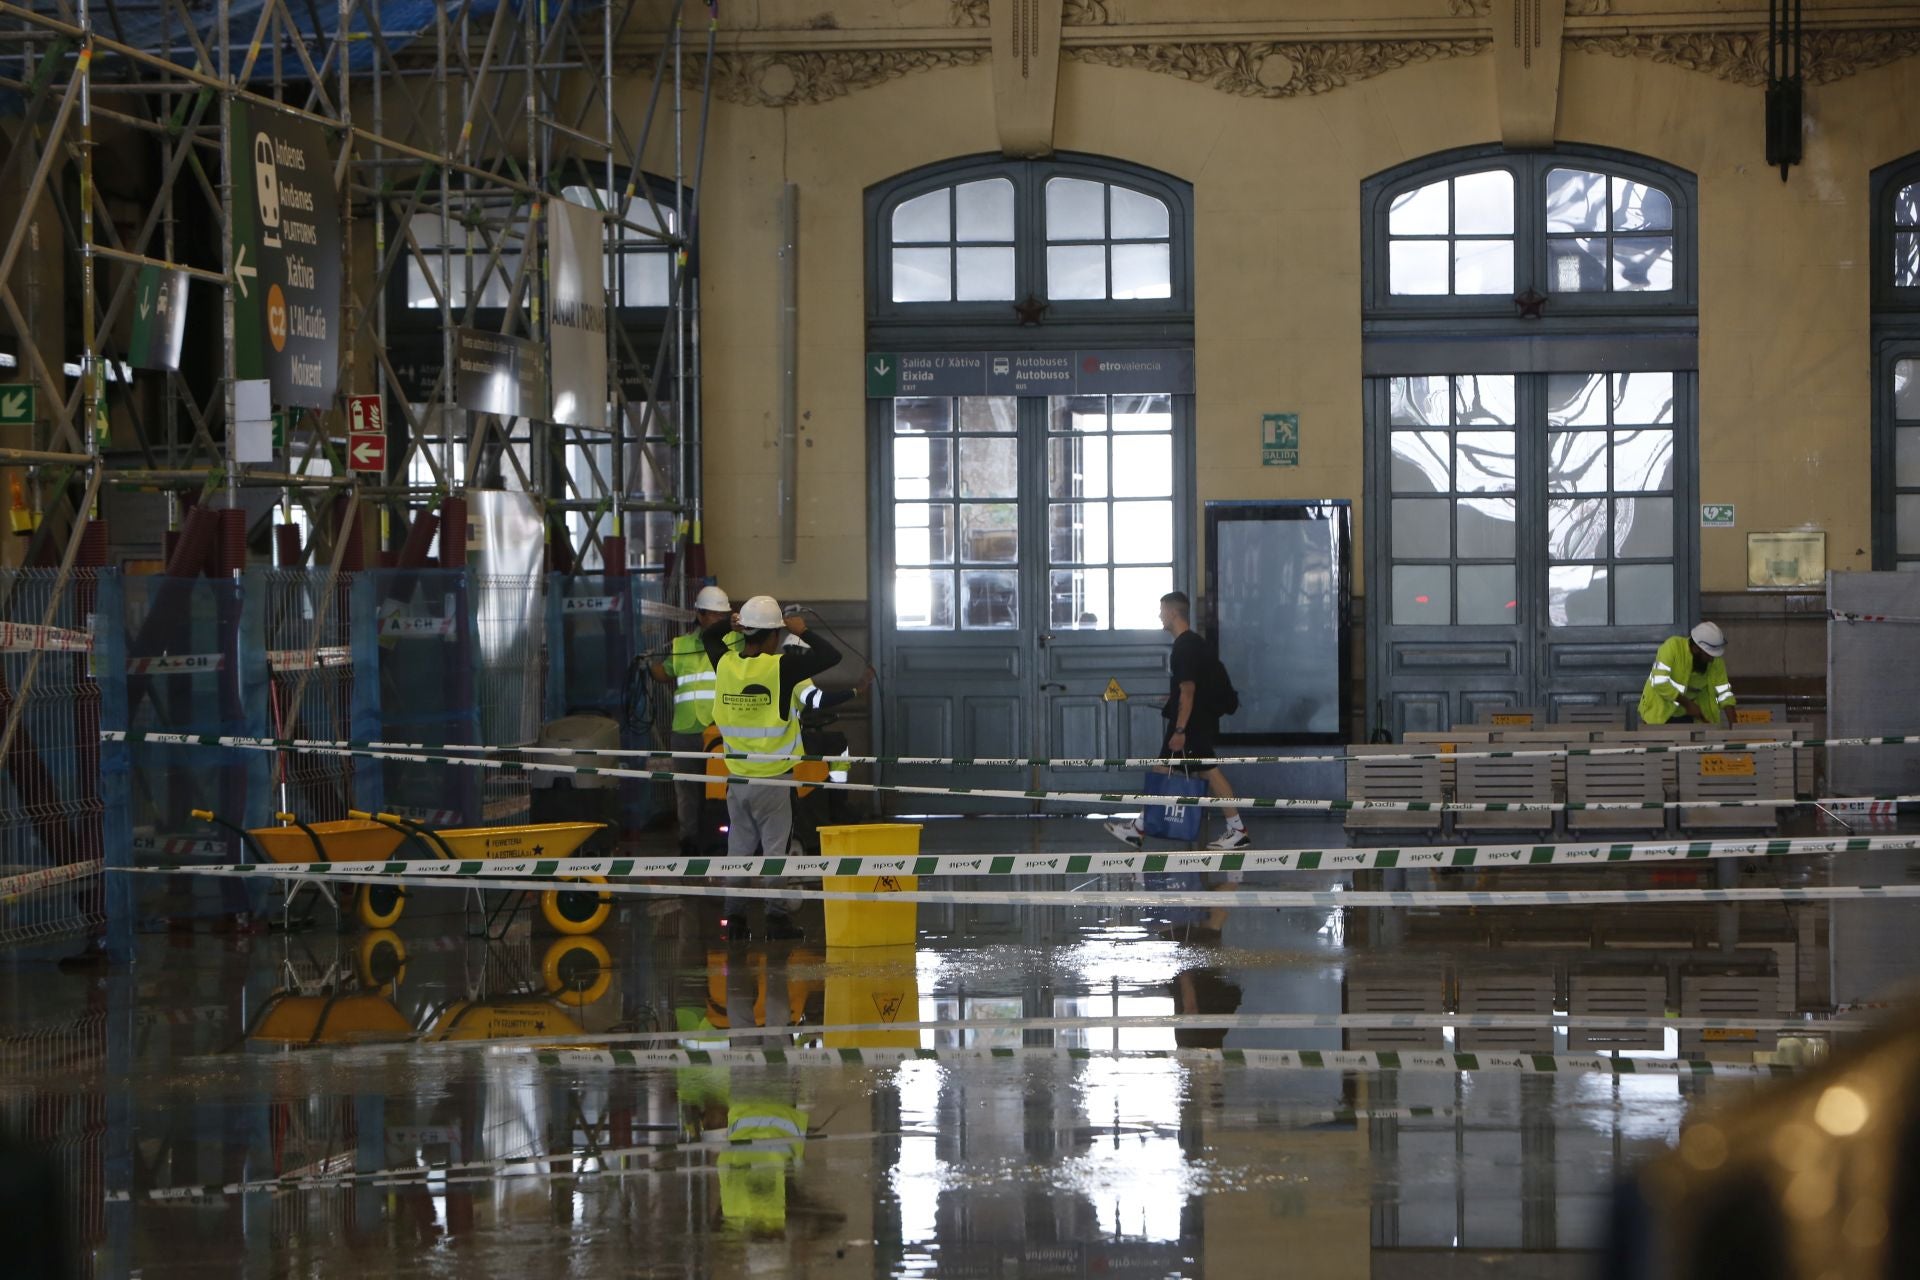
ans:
(1784, 387)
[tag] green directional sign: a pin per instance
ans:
(16, 404)
(1716, 515)
(280, 430)
(1280, 440)
(159, 319)
(883, 376)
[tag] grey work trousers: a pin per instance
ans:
(687, 795)
(759, 820)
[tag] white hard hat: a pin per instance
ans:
(712, 600)
(1712, 641)
(762, 613)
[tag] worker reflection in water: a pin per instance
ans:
(1688, 683)
(690, 670)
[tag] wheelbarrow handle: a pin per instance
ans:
(246, 837)
(426, 837)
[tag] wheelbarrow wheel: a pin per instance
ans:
(578, 971)
(381, 960)
(574, 912)
(378, 906)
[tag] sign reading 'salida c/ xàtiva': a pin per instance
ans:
(286, 256)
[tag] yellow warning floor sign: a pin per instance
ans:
(1114, 692)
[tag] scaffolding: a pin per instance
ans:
(453, 128)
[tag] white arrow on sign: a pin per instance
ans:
(146, 305)
(241, 270)
(13, 405)
(880, 366)
(365, 452)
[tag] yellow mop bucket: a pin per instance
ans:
(871, 924)
(870, 986)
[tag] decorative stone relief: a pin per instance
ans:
(1575, 8)
(796, 79)
(1079, 13)
(1469, 8)
(967, 13)
(1263, 69)
(1741, 56)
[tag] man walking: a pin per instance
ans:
(1192, 713)
(690, 671)
(1688, 682)
(756, 712)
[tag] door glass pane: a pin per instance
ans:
(1079, 413)
(1483, 266)
(1577, 528)
(1143, 413)
(1077, 533)
(985, 210)
(923, 600)
(922, 533)
(1419, 528)
(922, 275)
(1142, 271)
(1484, 529)
(1142, 466)
(1483, 204)
(1638, 207)
(1642, 528)
(1642, 460)
(1074, 210)
(985, 275)
(1143, 532)
(1906, 259)
(1136, 598)
(1643, 263)
(1483, 461)
(989, 413)
(1077, 467)
(922, 415)
(1906, 457)
(1906, 523)
(1486, 594)
(1576, 200)
(1906, 389)
(1422, 595)
(1076, 271)
(1077, 598)
(1642, 397)
(1420, 461)
(1577, 462)
(989, 533)
(1577, 399)
(1420, 402)
(922, 467)
(1417, 267)
(1642, 594)
(1577, 595)
(923, 219)
(989, 467)
(1576, 265)
(1420, 212)
(1138, 216)
(989, 599)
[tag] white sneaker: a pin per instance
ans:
(1127, 833)
(1233, 838)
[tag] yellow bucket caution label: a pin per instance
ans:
(1753, 715)
(1114, 692)
(1512, 718)
(1726, 766)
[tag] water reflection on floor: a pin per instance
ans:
(322, 1103)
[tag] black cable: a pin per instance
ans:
(837, 637)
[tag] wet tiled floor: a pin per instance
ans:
(421, 1102)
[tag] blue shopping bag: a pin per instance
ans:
(1174, 821)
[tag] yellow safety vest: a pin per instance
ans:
(1673, 676)
(747, 711)
(692, 674)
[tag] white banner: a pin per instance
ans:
(576, 315)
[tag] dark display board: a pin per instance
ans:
(1278, 591)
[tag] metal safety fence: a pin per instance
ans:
(310, 686)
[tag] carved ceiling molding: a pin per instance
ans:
(1079, 13)
(803, 79)
(1741, 56)
(1264, 69)
(1484, 8)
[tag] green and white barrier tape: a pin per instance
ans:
(1132, 862)
(1099, 799)
(418, 876)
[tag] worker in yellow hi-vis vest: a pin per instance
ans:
(690, 671)
(1688, 682)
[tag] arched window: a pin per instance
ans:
(1530, 346)
(1896, 365)
(979, 237)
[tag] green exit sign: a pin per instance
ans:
(1716, 515)
(16, 404)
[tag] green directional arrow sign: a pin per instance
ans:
(16, 404)
(883, 375)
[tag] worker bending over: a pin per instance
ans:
(1688, 683)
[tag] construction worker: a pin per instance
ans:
(690, 671)
(755, 710)
(1688, 682)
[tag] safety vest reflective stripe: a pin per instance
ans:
(751, 723)
(781, 1124)
(694, 695)
(695, 677)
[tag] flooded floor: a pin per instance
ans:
(1023, 1090)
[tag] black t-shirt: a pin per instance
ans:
(1190, 660)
